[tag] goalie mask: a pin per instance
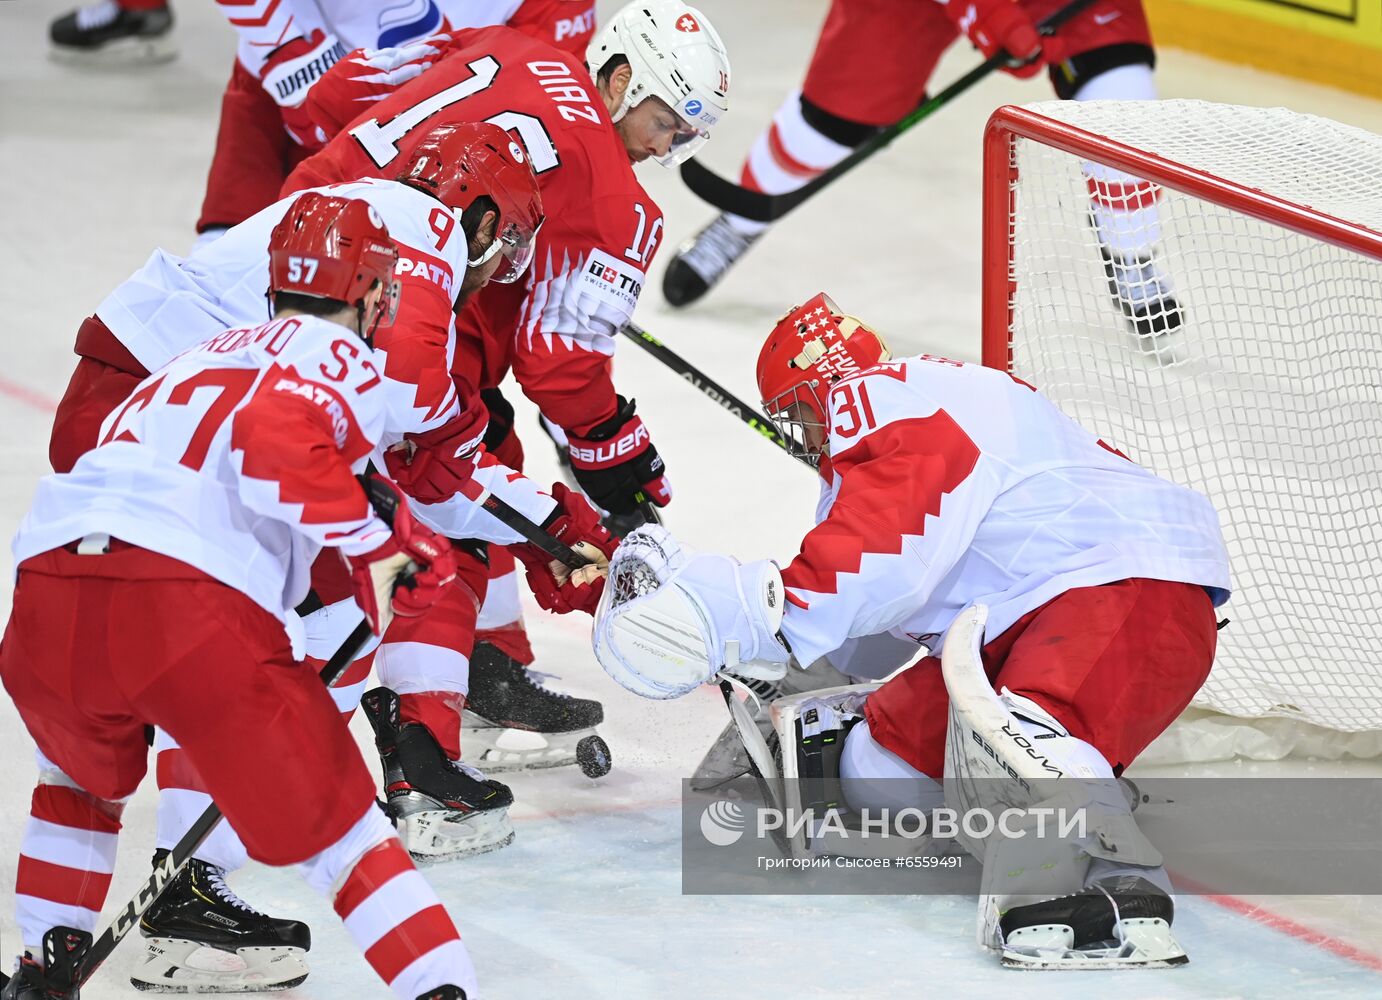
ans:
(670, 620)
(811, 348)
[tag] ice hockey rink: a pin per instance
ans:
(100, 167)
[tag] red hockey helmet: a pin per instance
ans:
(458, 163)
(811, 348)
(335, 248)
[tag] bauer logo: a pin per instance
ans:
(722, 823)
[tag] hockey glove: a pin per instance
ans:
(366, 76)
(411, 547)
(996, 26)
(575, 523)
(288, 75)
(617, 465)
(436, 465)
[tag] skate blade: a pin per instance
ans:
(496, 750)
(126, 53)
(173, 965)
(435, 835)
(1146, 943)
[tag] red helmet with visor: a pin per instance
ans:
(335, 248)
(811, 348)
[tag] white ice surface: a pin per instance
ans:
(98, 168)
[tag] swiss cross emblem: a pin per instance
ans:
(687, 23)
(610, 274)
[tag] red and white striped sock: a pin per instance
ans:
(65, 859)
(390, 910)
(1124, 207)
(785, 157)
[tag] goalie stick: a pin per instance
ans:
(759, 207)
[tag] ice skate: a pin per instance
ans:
(512, 722)
(1118, 922)
(703, 260)
(200, 937)
(104, 33)
(1143, 295)
(444, 809)
(55, 978)
(444, 993)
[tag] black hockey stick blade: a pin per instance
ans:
(747, 414)
(759, 207)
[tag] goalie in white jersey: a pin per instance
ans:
(947, 485)
(155, 587)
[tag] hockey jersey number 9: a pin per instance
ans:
(556, 329)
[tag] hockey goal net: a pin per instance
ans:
(1201, 285)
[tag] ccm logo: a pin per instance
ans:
(602, 453)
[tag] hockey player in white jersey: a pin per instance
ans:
(465, 213)
(946, 485)
(156, 584)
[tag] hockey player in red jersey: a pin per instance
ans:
(654, 83)
(212, 490)
(286, 45)
(465, 215)
(945, 485)
(1102, 53)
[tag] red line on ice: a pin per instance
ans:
(29, 397)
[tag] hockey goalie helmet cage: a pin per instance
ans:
(675, 55)
(458, 163)
(670, 619)
(335, 248)
(811, 348)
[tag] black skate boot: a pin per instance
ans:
(202, 938)
(58, 977)
(1115, 922)
(105, 33)
(512, 722)
(444, 993)
(703, 260)
(1144, 296)
(444, 809)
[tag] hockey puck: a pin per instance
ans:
(592, 754)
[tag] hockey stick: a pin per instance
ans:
(759, 207)
(385, 503)
(732, 403)
(533, 532)
(176, 859)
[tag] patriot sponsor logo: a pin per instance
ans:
(437, 274)
(324, 398)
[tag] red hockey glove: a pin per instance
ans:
(440, 463)
(411, 548)
(288, 75)
(617, 465)
(1000, 26)
(577, 524)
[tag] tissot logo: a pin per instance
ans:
(624, 282)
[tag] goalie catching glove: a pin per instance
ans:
(671, 619)
(575, 523)
(410, 548)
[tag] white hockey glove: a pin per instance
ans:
(670, 620)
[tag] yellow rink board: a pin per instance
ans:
(1335, 42)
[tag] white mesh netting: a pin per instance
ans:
(1266, 395)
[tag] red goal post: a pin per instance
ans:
(1263, 230)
